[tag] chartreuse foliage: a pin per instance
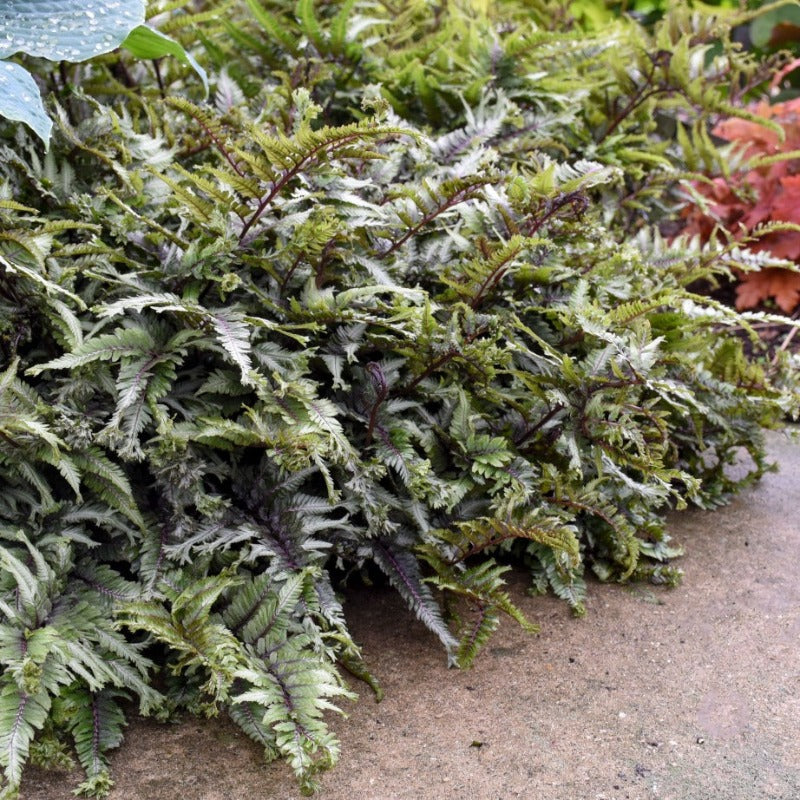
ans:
(384, 304)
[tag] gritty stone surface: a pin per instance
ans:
(684, 694)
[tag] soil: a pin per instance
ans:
(683, 694)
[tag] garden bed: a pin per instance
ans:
(656, 695)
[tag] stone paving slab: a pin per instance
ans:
(685, 694)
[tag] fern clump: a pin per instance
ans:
(382, 304)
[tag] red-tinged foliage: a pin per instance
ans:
(757, 139)
(785, 205)
(781, 284)
(755, 196)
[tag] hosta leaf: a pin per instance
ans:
(20, 100)
(66, 30)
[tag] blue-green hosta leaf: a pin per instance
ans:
(20, 99)
(146, 42)
(66, 30)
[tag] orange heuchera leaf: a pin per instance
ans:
(760, 139)
(756, 287)
(786, 203)
(753, 197)
(781, 245)
(725, 209)
(753, 137)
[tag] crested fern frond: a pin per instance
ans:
(471, 537)
(190, 631)
(108, 482)
(292, 687)
(96, 723)
(482, 587)
(259, 612)
(124, 342)
(402, 570)
(21, 715)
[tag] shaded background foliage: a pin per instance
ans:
(395, 300)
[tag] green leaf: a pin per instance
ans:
(146, 42)
(20, 100)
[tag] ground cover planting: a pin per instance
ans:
(405, 294)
